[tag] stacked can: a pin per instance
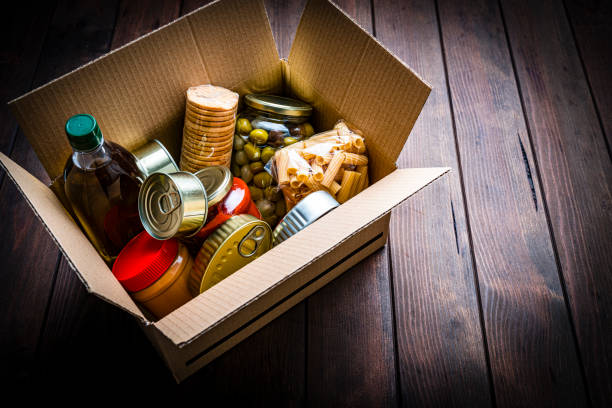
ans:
(206, 210)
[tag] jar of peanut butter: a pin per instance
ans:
(155, 273)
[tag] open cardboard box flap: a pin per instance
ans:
(137, 93)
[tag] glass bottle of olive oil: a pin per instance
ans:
(101, 181)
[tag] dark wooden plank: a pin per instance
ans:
(439, 337)
(350, 352)
(591, 21)
(532, 351)
(266, 368)
(25, 281)
(23, 30)
(576, 173)
(284, 19)
(137, 18)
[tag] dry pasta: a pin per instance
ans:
(335, 161)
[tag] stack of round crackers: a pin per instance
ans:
(208, 133)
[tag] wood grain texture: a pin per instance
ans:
(591, 21)
(284, 17)
(23, 29)
(439, 337)
(532, 352)
(25, 280)
(576, 174)
(350, 351)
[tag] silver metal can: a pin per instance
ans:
(172, 205)
(308, 210)
(154, 158)
(217, 181)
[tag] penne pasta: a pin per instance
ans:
(332, 169)
(355, 159)
(334, 187)
(349, 180)
(363, 181)
(317, 172)
(339, 175)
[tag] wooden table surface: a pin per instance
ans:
(495, 288)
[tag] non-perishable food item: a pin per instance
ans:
(268, 123)
(335, 161)
(210, 119)
(172, 205)
(307, 211)
(227, 196)
(152, 157)
(155, 273)
(101, 182)
(238, 241)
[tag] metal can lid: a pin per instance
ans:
(278, 104)
(238, 241)
(217, 181)
(153, 157)
(172, 205)
(308, 210)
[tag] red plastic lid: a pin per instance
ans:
(143, 260)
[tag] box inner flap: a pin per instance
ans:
(375, 91)
(79, 252)
(137, 92)
(244, 286)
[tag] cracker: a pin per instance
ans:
(205, 150)
(213, 115)
(213, 98)
(198, 120)
(196, 128)
(214, 157)
(210, 138)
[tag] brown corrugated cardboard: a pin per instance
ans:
(138, 93)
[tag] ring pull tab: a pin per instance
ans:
(169, 202)
(251, 241)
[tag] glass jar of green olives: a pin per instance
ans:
(268, 123)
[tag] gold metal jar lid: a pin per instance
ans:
(279, 105)
(217, 181)
(238, 241)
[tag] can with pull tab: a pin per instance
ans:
(238, 241)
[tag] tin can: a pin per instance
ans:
(217, 181)
(154, 158)
(172, 205)
(238, 241)
(308, 210)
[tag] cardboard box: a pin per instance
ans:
(137, 93)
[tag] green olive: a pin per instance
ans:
(238, 142)
(253, 152)
(272, 193)
(271, 220)
(265, 207)
(246, 174)
(262, 180)
(280, 208)
(235, 169)
(267, 153)
(241, 158)
(243, 126)
(257, 167)
(256, 193)
(308, 129)
(258, 136)
(289, 140)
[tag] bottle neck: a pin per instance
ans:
(92, 159)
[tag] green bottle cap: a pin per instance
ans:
(83, 132)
